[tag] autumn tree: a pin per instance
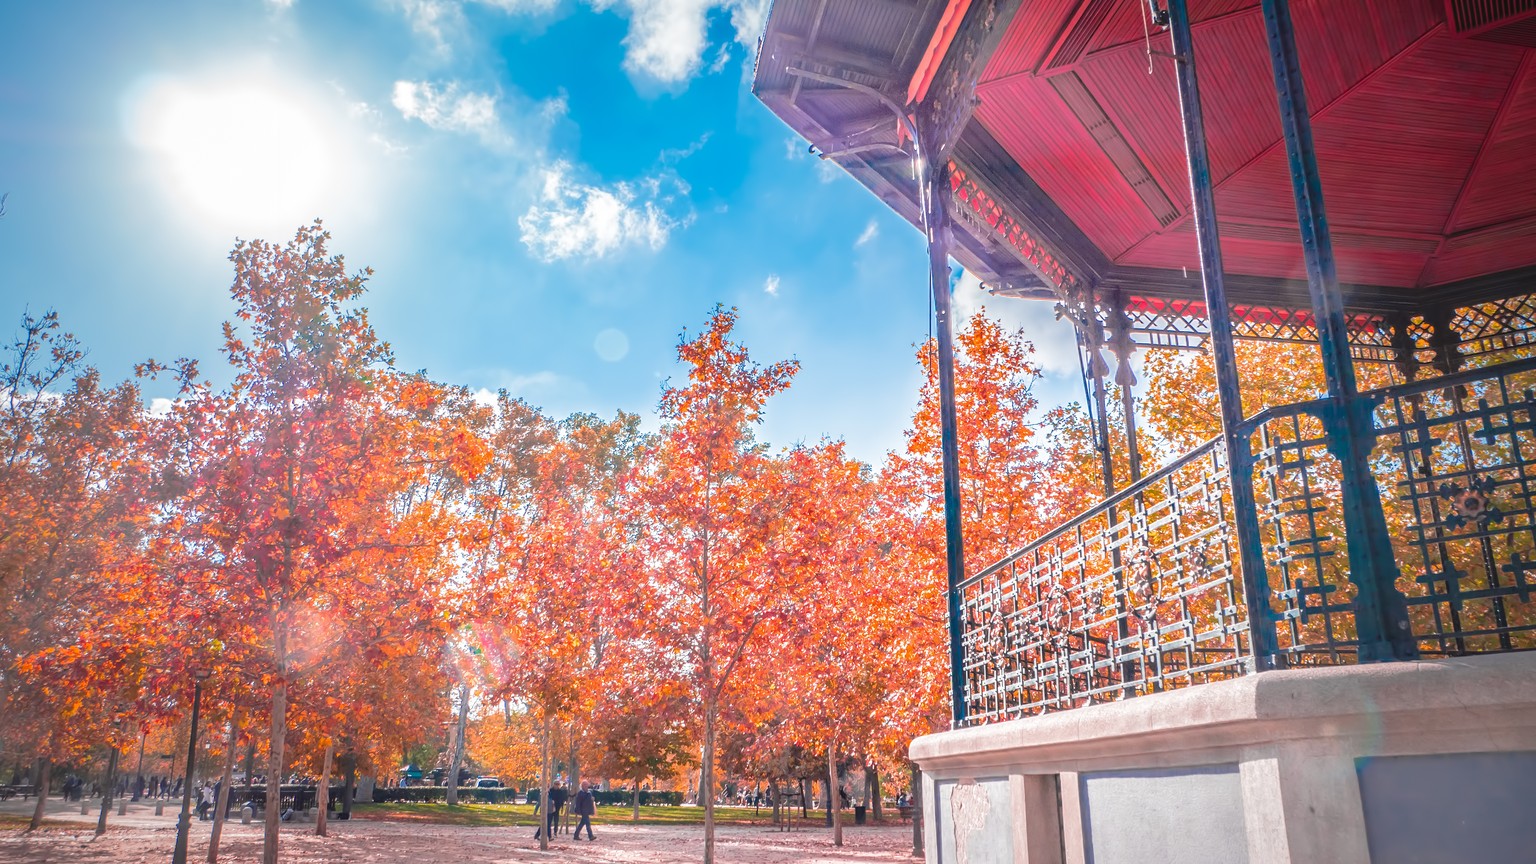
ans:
(303, 520)
(642, 729)
(708, 505)
(549, 532)
(77, 490)
(838, 645)
(1013, 487)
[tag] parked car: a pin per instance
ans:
(488, 783)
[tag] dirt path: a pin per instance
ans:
(142, 836)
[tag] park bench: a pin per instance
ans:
(9, 792)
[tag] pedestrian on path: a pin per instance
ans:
(585, 806)
(556, 803)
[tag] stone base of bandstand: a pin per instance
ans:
(1388, 763)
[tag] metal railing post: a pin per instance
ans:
(1381, 611)
(1218, 312)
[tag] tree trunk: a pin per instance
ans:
(917, 811)
(707, 780)
(872, 791)
(834, 812)
(323, 794)
(221, 806)
(40, 785)
(803, 802)
(106, 793)
(275, 773)
(544, 784)
(457, 759)
(636, 816)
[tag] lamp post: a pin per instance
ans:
(138, 781)
(184, 822)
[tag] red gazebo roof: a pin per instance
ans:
(1424, 116)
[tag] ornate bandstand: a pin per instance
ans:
(1359, 175)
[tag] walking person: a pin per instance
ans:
(585, 806)
(553, 802)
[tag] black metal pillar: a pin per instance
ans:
(936, 226)
(1381, 612)
(1219, 314)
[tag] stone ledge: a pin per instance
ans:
(1485, 702)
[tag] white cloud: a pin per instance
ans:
(533, 386)
(571, 218)
(524, 6)
(160, 406)
(1055, 343)
(722, 57)
(432, 19)
(871, 231)
(280, 4)
(771, 285)
(674, 155)
(447, 109)
(667, 41)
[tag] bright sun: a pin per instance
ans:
(244, 153)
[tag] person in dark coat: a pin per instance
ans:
(556, 799)
(585, 806)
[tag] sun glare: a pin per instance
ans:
(244, 153)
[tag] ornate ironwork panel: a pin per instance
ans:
(1455, 458)
(1298, 486)
(978, 208)
(1496, 326)
(1170, 323)
(1140, 593)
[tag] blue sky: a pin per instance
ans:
(549, 192)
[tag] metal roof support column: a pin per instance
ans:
(1090, 340)
(1239, 458)
(937, 229)
(1381, 612)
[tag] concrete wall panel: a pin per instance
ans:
(1172, 815)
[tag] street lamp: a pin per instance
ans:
(184, 822)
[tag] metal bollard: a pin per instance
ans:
(85, 806)
(159, 808)
(246, 814)
(122, 807)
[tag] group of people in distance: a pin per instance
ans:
(585, 807)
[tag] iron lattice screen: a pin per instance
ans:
(1138, 594)
(1144, 591)
(1455, 460)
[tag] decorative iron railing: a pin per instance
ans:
(1137, 594)
(1144, 591)
(1455, 461)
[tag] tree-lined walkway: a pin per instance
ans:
(141, 836)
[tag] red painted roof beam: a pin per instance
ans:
(938, 46)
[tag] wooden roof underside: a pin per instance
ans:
(1424, 120)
